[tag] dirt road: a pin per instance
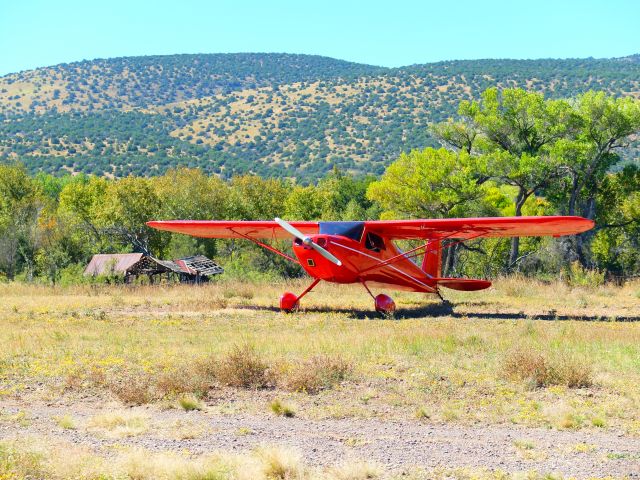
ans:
(396, 446)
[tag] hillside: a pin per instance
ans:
(271, 114)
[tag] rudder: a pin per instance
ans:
(432, 261)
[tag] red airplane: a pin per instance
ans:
(364, 252)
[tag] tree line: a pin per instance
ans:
(510, 153)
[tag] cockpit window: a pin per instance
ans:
(374, 242)
(352, 230)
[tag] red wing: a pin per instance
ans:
(480, 227)
(232, 229)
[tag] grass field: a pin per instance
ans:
(523, 353)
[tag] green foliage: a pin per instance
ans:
(578, 276)
(431, 184)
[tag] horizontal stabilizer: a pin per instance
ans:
(463, 284)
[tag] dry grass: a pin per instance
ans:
(119, 424)
(159, 344)
(321, 372)
(280, 464)
(539, 370)
(36, 458)
(243, 367)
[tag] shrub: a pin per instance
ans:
(243, 367)
(583, 277)
(181, 380)
(131, 386)
(533, 366)
(318, 373)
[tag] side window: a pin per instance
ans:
(374, 242)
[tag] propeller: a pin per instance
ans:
(307, 241)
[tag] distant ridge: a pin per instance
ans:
(273, 114)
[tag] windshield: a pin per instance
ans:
(352, 230)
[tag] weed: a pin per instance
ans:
(185, 430)
(516, 286)
(181, 380)
(570, 420)
(281, 409)
(422, 414)
(131, 386)
(18, 463)
(66, 422)
(243, 367)
(622, 456)
(524, 444)
(584, 447)
(366, 398)
(357, 471)
(280, 464)
(354, 442)
(531, 365)
(583, 277)
(189, 403)
(319, 373)
(243, 431)
(598, 422)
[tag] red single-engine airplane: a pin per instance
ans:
(364, 252)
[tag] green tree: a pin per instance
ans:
(20, 205)
(433, 184)
(616, 243)
(515, 130)
(128, 204)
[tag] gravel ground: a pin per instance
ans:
(395, 445)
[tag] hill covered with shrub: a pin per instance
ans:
(272, 114)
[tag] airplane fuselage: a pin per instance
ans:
(361, 263)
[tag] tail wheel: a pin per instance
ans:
(385, 304)
(289, 302)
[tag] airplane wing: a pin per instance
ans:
(460, 228)
(465, 228)
(263, 229)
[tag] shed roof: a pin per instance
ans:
(199, 264)
(103, 263)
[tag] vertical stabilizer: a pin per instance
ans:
(432, 259)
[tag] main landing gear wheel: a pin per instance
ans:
(289, 302)
(385, 304)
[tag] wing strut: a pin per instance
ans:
(395, 258)
(268, 247)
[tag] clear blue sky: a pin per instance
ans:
(36, 33)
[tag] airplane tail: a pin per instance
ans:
(463, 284)
(432, 261)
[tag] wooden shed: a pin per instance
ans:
(194, 269)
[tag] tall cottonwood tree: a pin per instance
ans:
(606, 125)
(515, 131)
